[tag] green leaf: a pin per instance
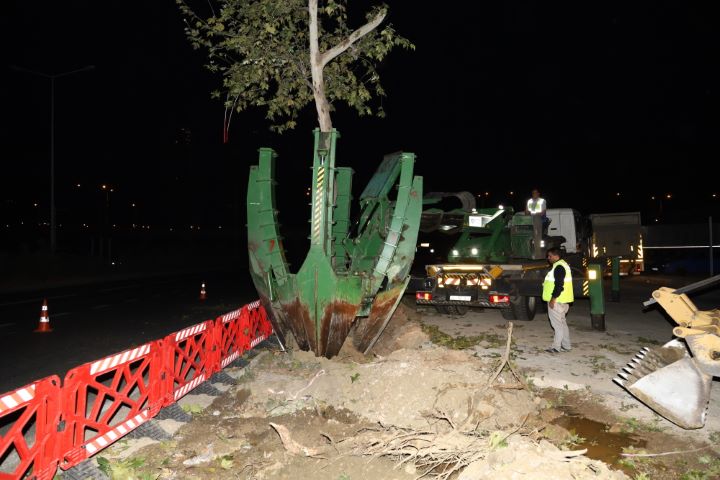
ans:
(497, 440)
(261, 51)
(192, 408)
(226, 463)
(354, 377)
(104, 465)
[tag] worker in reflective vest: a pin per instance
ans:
(536, 205)
(558, 292)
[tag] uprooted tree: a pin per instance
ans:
(281, 54)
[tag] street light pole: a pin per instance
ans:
(53, 222)
(52, 77)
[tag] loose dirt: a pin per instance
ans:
(408, 410)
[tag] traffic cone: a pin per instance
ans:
(203, 294)
(44, 324)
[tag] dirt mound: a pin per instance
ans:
(428, 410)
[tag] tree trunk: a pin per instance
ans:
(316, 68)
(319, 60)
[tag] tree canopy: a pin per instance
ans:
(280, 55)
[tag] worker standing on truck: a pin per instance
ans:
(558, 292)
(536, 205)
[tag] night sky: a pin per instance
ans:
(583, 100)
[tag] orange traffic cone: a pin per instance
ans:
(44, 324)
(203, 294)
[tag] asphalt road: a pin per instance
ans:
(94, 321)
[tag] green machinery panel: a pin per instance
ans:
(355, 272)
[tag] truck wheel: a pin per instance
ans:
(523, 307)
(507, 313)
(458, 310)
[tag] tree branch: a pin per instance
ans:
(354, 37)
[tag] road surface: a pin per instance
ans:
(91, 322)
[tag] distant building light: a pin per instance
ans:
(132, 205)
(77, 185)
(617, 194)
(220, 227)
(104, 187)
(668, 196)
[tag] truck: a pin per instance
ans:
(498, 261)
(618, 235)
(499, 258)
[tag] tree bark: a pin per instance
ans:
(319, 60)
(316, 69)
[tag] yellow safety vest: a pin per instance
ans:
(535, 206)
(566, 296)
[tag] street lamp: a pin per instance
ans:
(52, 77)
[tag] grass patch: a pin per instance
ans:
(460, 342)
(613, 348)
(600, 363)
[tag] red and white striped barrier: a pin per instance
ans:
(102, 401)
(18, 397)
(126, 356)
(98, 443)
(228, 338)
(110, 397)
(35, 407)
(190, 359)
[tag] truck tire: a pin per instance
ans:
(523, 307)
(458, 310)
(507, 313)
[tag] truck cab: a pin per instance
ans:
(568, 223)
(499, 261)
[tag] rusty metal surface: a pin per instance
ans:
(336, 322)
(369, 329)
(300, 324)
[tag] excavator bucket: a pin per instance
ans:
(675, 379)
(355, 271)
(668, 380)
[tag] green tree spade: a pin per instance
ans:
(281, 54)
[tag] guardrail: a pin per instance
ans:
(46, 424)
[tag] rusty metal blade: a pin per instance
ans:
(368, 330)
(297, 319)
(336, 322)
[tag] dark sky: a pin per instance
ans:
(582, 99)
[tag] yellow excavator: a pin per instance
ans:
(675, 379)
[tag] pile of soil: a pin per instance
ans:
(388, 415)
